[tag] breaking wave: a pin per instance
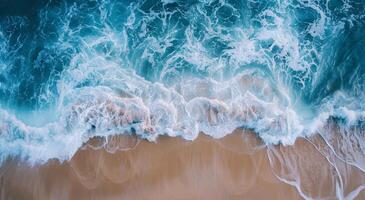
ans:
(73, 70)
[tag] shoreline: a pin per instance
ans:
(237, 166)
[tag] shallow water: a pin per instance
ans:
(74, 70)
(238, 166)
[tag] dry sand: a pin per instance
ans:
(234, 167)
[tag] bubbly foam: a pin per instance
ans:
(283, 69)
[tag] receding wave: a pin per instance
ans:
(73, 70)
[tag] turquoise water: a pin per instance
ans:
(72, 70)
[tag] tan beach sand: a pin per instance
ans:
(234, 167)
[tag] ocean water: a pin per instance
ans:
(71, 70)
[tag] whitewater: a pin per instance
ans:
(284, 69)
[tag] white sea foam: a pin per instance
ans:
(151, 109)
(209, 67)
(102, 91)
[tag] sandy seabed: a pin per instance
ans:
(237, 166)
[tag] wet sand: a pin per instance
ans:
(237, 166)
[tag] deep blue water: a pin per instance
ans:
(71, 70)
